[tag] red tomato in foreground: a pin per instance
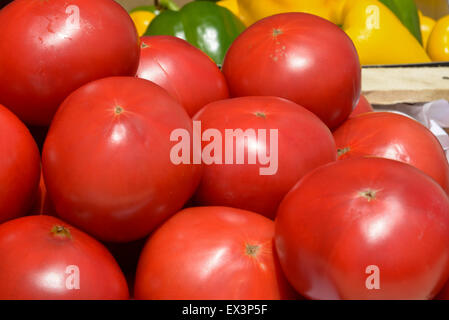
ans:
(212, 253)
(362, 107)
(106, 160)
(300, 57)
(187, 73)
(50, 48)
(299, 143)
(366, 228)
(396, 137)
(19, 167)
(42, 257)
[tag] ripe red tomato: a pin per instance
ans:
(362, 107)
(300, 57)
(42, 257)
(50, 48)
(396, 137)
(187, 73)
(19, 167)
(211, 253)
(107, 163)
(366, 228)
(303, 143)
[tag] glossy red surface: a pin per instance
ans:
(42, 258)
(362, 107)
(212, 253)
(50, 48)
(350, 215)
(396, 137)
(106, 159)
(303, 143)
(187, 73)
(300, 57)
(19, 167)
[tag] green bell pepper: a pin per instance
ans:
(407, 12)
(207, 26)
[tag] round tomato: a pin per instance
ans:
(42, 257)
(19, 167)
(297, 56)
(107, 163)
(283, 139)
(212, 253)
(393, 136)
(362, 107)
(187, 73)
(50, 48)
(366, 228)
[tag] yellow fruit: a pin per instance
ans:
(231, 5)
(427, 25)
(142, 20)
(438, 44)
(379, 36)
(254, 10)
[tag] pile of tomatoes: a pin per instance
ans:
(338, 202)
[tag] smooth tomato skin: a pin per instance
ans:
(328, 233)
(362, 107)
(396, 137)
(34, 260)
(304, 143)
(19, 167)
(187, 73)
(107, 163)
(300, 57)
(45, 54)
(201, 254)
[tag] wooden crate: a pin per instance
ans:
(392, 85)
(418, 84)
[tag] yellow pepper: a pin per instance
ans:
(336, 8)
(438, 45)
(378, 35)
(427, 25)
(231, 5)
(142, 20)
(252, 10)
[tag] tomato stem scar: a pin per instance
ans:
(252, 250)
(342, 151)
(61, 232)
(118, 110)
